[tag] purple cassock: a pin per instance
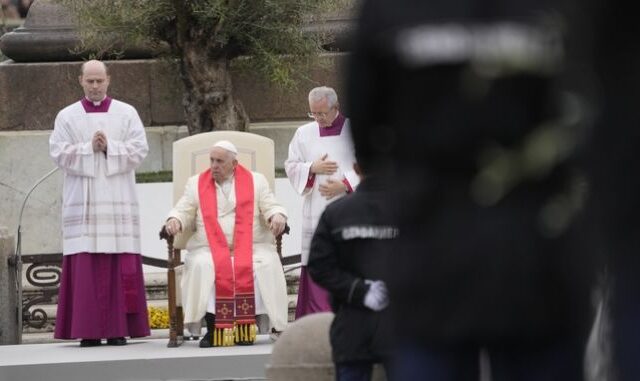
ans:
(311, 297)
(101, 295)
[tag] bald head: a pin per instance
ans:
(94, 79)
(94, 65)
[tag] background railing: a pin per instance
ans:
(43, 274)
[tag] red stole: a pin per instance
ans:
(235, 300)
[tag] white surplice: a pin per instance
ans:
(307, 146)
(198, 275)
(100, 205)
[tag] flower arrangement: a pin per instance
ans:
(158, 317)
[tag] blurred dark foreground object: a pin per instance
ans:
(457, 104)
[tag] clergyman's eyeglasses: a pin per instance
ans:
(314, 115)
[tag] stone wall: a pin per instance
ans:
(24, 158)
(31, 94)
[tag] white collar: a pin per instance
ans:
(97, 103)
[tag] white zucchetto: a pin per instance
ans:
(225, 144)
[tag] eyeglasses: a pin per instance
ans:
(314, 115)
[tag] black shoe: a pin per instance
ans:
(89, 342)
(274, 335)
(117, 341)
(207, 339)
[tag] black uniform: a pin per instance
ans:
(616, 164)
(493, 248)
(353, 242)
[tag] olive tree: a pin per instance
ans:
(205, 37)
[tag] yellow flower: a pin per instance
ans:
(158, 317)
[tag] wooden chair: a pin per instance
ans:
(190, 157)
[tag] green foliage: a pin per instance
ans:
(280, 173)
(167, 176)
(107, 26)
(154, 177)
(225, 29)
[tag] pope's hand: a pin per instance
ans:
(173, 226)
(277, 223)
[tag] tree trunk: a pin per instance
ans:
(208, 99)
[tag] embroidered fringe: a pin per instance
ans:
(223, 337)
(245, 334)
(240, 334)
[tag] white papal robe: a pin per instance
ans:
(307, 146)
(198, 275)
(100, 204)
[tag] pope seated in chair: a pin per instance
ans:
(232, 271)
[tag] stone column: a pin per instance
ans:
(8, 323)
(49, 35)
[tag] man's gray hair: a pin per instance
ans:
(319, 93)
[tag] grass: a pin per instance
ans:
(154, 177)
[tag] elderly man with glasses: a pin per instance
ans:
(320, 168)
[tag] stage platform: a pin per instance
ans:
(141, 359)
